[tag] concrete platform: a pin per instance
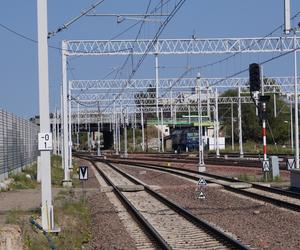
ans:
(130, 188)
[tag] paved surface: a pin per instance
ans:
(28, 199)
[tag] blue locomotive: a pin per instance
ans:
(185, 139)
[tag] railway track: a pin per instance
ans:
(275, 196)
(171, 226)
(249, 163)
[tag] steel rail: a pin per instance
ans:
(146, 225)
(185, 213)
(244, 192)
(218, 234)
(211, 161)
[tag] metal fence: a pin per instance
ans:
(18, 143)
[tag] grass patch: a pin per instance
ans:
(57, 173)
(253, 178)
(21, 181)
(13, 216)
(72, 215)
(247, 178)
(257, 148)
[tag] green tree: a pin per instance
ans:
(277, 129)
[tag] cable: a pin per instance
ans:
(119, 69)
(18, 34)
(149, 47)
(51, 46)
(235, 54)
(160, 5)
(264, 62)
(137, 36)
(65, 26)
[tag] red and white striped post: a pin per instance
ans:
(265, 163)
(264, 135)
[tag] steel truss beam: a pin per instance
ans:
(180, 46)
(99, 100)
(284, 84)
(93, 115)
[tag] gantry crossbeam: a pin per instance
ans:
(100, 100)
(179, 46)
(271, 84)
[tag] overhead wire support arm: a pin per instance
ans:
(66, 25)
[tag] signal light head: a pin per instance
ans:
(254, 77)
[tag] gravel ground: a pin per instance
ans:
(108, 232)
(260, 225)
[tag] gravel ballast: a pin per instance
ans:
(107, 230)
(256, 223)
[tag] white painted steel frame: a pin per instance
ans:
(180, 46)
(285, 84)
(175, 47)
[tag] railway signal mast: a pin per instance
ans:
(261, 103)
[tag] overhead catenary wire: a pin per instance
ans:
(246, 69)
(189, 69)
(51, 46)
(149, 47)
(73, 20)
(119, 69)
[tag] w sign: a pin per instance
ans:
(83, 173)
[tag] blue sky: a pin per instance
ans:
(203, 18)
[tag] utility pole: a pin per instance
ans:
(162, 130)
(143, 130)
(125, 132)
(291, 124)
(296, 104)
(57, 131)
(66, 182)
(208, 99)
(78, 124)
(70, 143)
(232, 128)
(133, 124)
(46, 192)
(201, 165)
(217, 125)
(240, 123)
(54, 133)
(98, 141)
(156, 92)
